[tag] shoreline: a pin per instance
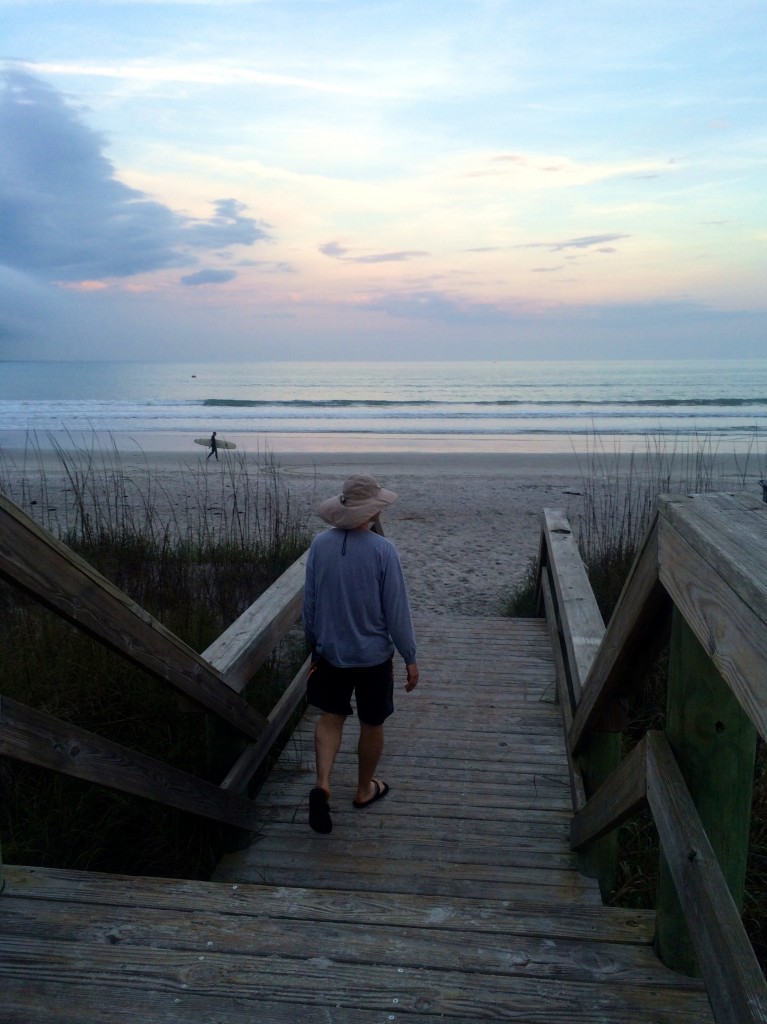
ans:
(349, 443)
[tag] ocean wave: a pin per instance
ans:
(369, 403)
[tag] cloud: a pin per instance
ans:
(585, 242)
(269, 266)
(440, 308)
(209, 277)
(339, 252)
(27, 308)
(66, 215)
(227, 227)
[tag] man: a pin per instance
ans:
(355, 613)
(213, 446)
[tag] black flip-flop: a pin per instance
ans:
(319, 811)
(381, 790)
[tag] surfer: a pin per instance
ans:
(213, 446)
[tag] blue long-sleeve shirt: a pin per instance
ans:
(356, 609)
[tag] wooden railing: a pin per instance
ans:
(699, 583)
(34, 560)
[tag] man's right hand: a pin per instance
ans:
(412, 677)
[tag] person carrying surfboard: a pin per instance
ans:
(213, 446)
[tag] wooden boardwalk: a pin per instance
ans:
(455, 898)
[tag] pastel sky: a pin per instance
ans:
(373, 179)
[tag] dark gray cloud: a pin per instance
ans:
(65, 214)
(338, 252)
(209, 277)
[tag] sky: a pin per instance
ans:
(354, 179)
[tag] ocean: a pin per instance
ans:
(389, 406)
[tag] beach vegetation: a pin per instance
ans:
(195, 555)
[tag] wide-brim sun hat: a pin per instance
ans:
(361, 499)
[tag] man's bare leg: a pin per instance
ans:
(327, 740)
(369, 750)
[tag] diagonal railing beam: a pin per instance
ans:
(36, 737)
(50, 572)
(243, 648)
(636, 633)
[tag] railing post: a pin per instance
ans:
(714, 743)
(600, 858)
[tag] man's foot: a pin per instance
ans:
(319, 811)
(380, 791)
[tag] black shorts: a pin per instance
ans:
(330, 689)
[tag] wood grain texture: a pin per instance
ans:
(254, 755)
(577, 790)
(730, 630)
(634, 635)
(39, 738)
(32, 558)
(580, 618)
(615, 801)
(244, 647)
(735, 984)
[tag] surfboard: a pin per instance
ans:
(220, 442)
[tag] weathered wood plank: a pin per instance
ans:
(407, 797)
(244, 647)
(590, 960)
(453, 850)
(34, 560)
(577, 791)
(635, 634)
(251, 759)
(735, 984)
(513, 917)
(714, 744)
(730, 631)
(38, 738)
(730, 532)
(582, 624)
(549, 829)
(615, 801)
(316, 981)
(445, 871)
(459, 820)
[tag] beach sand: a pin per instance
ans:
(466, 525)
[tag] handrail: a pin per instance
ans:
(708, 569)
(51, 573)
(701, 573)
(42, 566)
(244, 646)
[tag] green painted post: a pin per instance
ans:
(714, 743)
(600, 858)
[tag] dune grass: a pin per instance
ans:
(194, 566)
